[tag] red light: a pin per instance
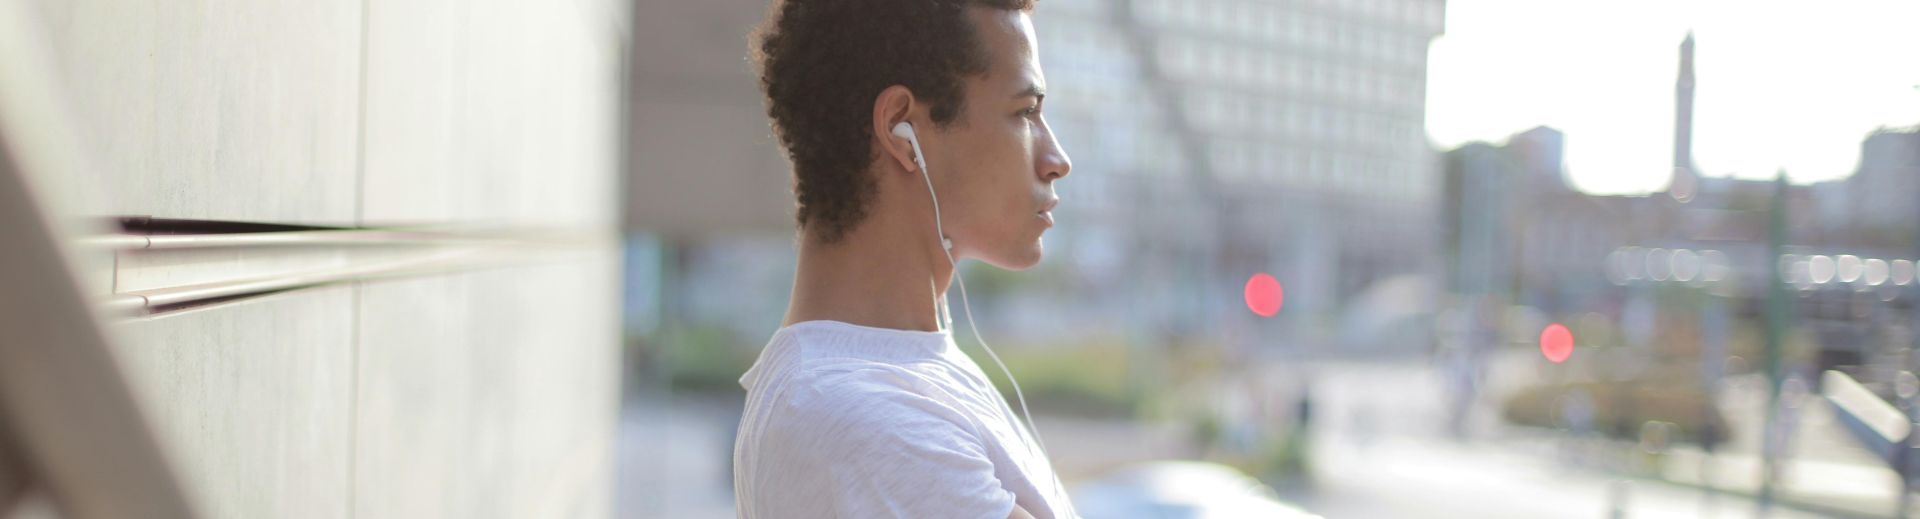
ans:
(1264, 295)
(1556, 343)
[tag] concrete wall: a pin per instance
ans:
(479, 393)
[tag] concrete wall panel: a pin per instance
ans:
(215, 109)
(482, 397)
(477, 393)
(256, 400)
(491, 111)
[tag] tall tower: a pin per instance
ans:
(1685, 179)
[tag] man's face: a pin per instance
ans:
(994, 167)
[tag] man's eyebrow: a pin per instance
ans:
(1035, 91)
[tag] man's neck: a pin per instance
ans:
(880, 274)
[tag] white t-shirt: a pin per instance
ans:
(844, 420)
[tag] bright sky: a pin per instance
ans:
(1791, 85)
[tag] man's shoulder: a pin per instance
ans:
(819, 380)
(862, 398)
(859, 388)
(815, 360)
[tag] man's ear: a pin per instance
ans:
(893, 106)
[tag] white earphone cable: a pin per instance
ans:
(946, 247)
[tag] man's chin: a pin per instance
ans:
(1031, 256)
(1018, 260)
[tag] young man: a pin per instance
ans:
(861, 405)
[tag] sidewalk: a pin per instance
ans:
(1831, 488)
(1825, 469)
(1386, 454)
(676, 454)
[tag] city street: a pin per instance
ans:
(1380, 450)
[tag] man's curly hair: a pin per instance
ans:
(822, 63)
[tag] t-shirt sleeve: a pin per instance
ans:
(892, 452)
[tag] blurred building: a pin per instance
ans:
(1214, 139)
(1684, 171)
(1518, 233)
(709, 210)
(1478, 235)
(1885, 191)
(702, 156)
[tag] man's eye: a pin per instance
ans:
(1029, 111)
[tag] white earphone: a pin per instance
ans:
(904, 130)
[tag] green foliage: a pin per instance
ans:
(702, 358)
(1091, 379)
(1620, 409)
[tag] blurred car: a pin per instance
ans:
(1180, 490)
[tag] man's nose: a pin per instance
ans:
(1053, 161)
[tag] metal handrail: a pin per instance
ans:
(421, 253)
(277, 239)
(1879, 426)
